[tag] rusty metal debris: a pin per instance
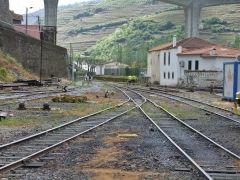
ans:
(22, 106)
(69, 99)
(46, 107)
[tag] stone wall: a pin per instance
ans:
(26, 50)
(203, 79)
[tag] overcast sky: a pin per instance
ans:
(19, 6)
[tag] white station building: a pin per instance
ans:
(189, 62)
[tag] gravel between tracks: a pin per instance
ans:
(128, 148)
(25, 123)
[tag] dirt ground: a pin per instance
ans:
(129, 148)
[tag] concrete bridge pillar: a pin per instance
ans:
(50, 29)
(192, 11)
(192, 19)
(4, 13)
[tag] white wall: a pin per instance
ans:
(201, 79)
(100, 70)
(207, 64)
(170, 70)
(157, 68)
(154, 66)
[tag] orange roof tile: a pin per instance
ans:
(221, 51)
(195, 45)
(16, 16)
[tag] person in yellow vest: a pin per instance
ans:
(129, 81)
(134, 79)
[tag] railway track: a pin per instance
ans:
(222, 129)
(21, 152)
(27, 96)
(211, 159)
(223, 113)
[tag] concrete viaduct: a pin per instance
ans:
(50, 12)
(50, 17)
(192, 11)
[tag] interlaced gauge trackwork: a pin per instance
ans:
(209, 157)
(20, 152)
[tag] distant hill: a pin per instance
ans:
(130, 42)
(87, 24)
(90, 23)
(32, 16)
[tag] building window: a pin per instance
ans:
(164, 58)
(169, 57)
(189, 65)
(196, 65)
(164, 75)
(168, 75)
(172, 75)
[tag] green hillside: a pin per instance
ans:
(124, 30)
(93, 22)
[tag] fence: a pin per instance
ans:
(126, 72)
(203, 78)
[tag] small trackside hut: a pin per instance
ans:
(231, 80)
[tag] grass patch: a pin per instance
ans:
(184, 114)
(11, 70)
(82, 109)
(19, 121)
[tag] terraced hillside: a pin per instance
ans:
(107, 12)
(88, 24)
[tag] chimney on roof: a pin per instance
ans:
(174, 41)
(179, 49)
(212, 51)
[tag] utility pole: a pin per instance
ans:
(26, 20)
(72, 60)
(41, 48)
(39, 23)
(26, 31)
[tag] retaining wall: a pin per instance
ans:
(26, 50)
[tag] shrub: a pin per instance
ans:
(214, 20)
(166, 26)
(219, 29)
(3, 73)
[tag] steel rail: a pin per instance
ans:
(61, 126)
(196, 131)
(203, 172)
(48, 93)
(194, 100)
(24, 160)
(220, 115)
